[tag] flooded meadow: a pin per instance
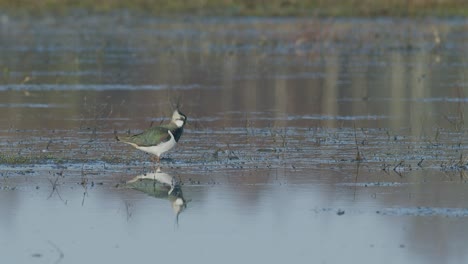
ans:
(315, 140)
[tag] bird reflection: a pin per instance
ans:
(161, 185)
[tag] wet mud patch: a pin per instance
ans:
(424, 211)
(239, 148)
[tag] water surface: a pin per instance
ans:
(318, 140)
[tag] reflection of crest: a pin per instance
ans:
(160, 185)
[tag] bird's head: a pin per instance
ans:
(178, 118)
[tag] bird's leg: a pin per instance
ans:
(155, 159)
(158, 159)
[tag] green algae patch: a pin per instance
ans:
(25, 159)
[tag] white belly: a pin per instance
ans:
(161, 148)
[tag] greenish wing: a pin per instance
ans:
(150, 137)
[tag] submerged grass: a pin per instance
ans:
(249, 7)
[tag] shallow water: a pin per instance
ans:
(278, 110)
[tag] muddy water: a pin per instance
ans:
(307, 140)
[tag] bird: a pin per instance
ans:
(158, 139)
(161, 185)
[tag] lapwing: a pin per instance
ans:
(158, 139)
(161, 185)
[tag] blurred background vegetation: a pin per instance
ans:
(246, 7)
